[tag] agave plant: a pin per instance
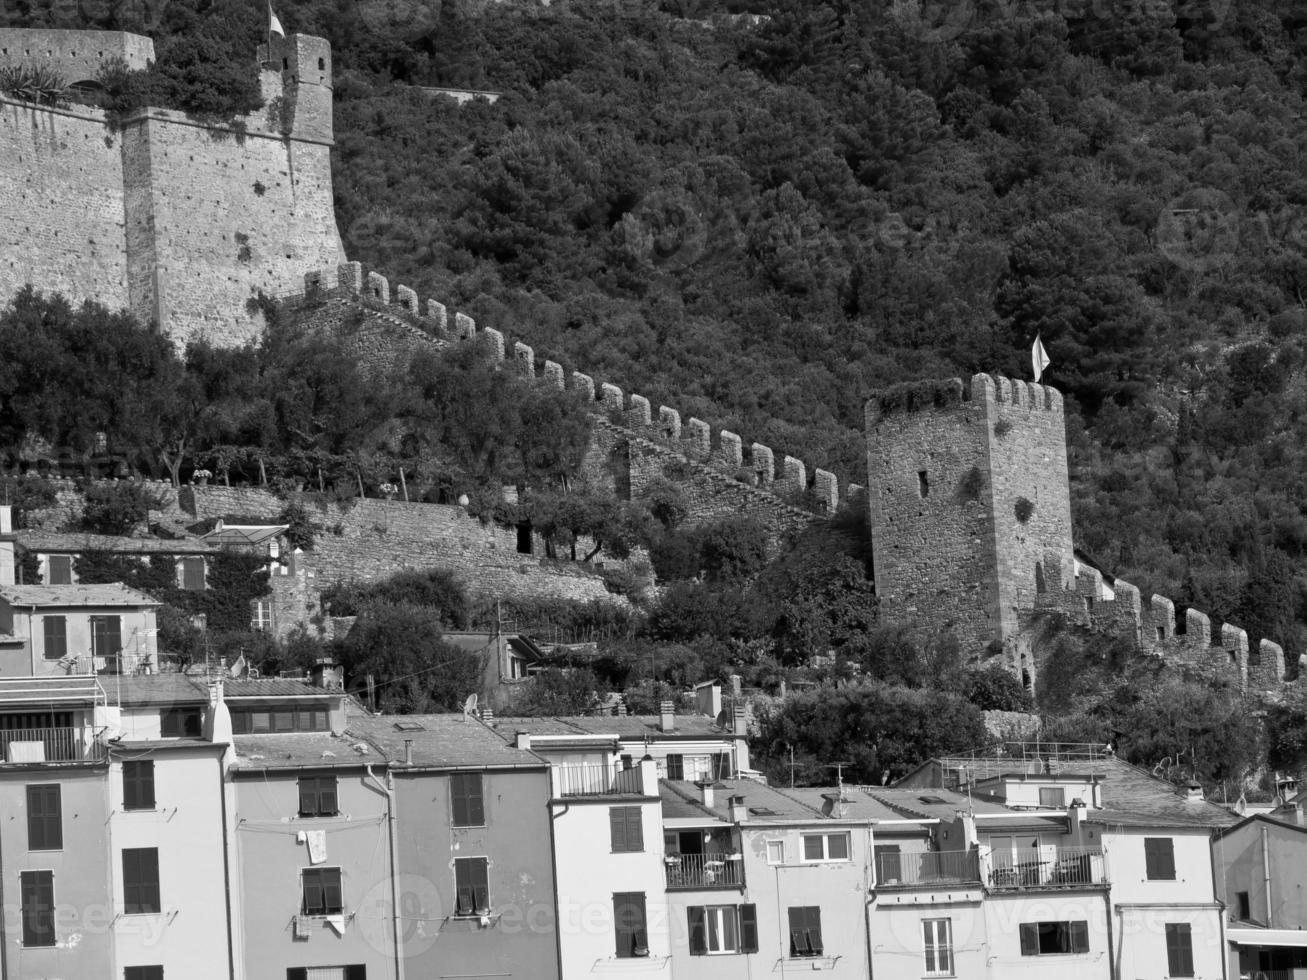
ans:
(37, 84)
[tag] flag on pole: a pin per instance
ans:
(274, 25)
(1039, 357)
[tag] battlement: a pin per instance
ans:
(722, 450)
(1114, 608)
(982, 390)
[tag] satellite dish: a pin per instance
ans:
(470, 705)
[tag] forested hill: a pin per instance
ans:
(761, 213)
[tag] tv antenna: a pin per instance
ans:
(839, 774)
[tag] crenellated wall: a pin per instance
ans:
(722, 473)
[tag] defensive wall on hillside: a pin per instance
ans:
(720, 476)
(969, 502)
(366, 540)
(180, 221)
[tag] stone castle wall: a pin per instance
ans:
(179, 221)
(718, 474)
(967, 490)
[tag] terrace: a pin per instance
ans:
(927, 869)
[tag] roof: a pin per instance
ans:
(60, 543)
(766, 804)
(1268, 818)
(442, 741)
(300, 750)
(627, 727)
(112, 594)
(275, 687)
(245, 535)
(139, 690)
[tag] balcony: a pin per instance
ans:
(596, 780)
(685, 871)
(927, 870)
(35, 745)
(1046, 868)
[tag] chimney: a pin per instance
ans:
(667, 721)
(327, 674)
(739, 717)
(7, 566)
(1076, 817)
(1193, 791)
(735, 686)
(522, 740)
(739, 812)
(706, 789)
(709, 700)
(488, 717)
(408, 752)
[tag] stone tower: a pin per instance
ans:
(969, 500)
(305, 66)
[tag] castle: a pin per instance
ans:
(969, 502)
(182, 222)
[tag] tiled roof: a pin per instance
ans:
(60, 543)
(112, 594)
(931, 804)
(245, 534)
(275, 687)
(1135, 798)
(133, 690)
(300, 749)
(447, 740)
(765, 803)
(623, 726)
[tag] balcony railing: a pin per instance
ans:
(704, 871)
(928, 868)
(49, 745)
(597, 780)
(1047, 867)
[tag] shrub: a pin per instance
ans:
(116, 508)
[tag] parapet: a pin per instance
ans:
(75, 56)
(948, 393)
(695, 439)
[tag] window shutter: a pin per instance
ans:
(476, 813)
(1079, 936)
(1030, 939)
(331, 890)
(313, 903)
(676, 766)
(748, 929)
(327, 804)
(798, 921)
(56, 637)
(698, 930)
(308, 796)
(634, 829)
(458, 794)
(617, 827)
(814, 930)
(44, 819)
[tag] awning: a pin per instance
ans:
(1267, 937)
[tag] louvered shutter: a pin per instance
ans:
(698, 930)
(1030, 939)
(748, 929)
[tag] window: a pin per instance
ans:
(61, 569)
(723, 929)
(36, 892)
(1179, 950)
(143, 973)
(1052, 938)
(1245, 907)
(776, 852)
(56, 637)
(721, 765)
(107, 643)
(805, 930)
(1052, 796)
(472, 886)
(923, 484)
(140, 880)
(261, 615)
(469, 803)
(937, 944)
(193, 574)
(825, 847)
(262, 719)
(1159, 858)
(180, 722)
(629, 925)
(676, 767)
(355, 972)
(45, 825)
(138, 785)
(322, 894)
(889, 863)
(318, 796)
(626, 828)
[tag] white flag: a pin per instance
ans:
(1039, 357)
(274, 25)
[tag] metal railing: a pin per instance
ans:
(27, 745)
(927, 868)
(1032, 758)
(1047, 867)
(704, 871)
(597, 780)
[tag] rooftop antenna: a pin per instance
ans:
(839, 774)
(793, 764)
